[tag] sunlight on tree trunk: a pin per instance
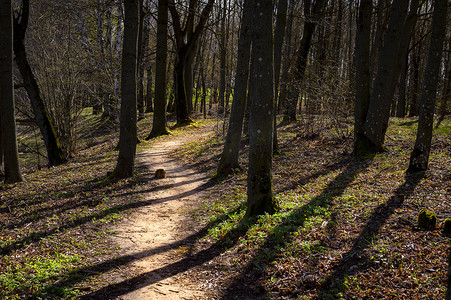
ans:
(260, 197)
(420, 154)
(128, 134)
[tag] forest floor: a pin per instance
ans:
(346, 228)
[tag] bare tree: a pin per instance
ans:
(186, 38)
(8, 140)
(229, 157)
(260, 197)
(159, 126)
(42, 118)
(128, 131)
(420, 154)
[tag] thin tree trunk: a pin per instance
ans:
(128, 131)
(401, 104)
(420, 155)
(159, 126)
(301, 62)
(222, 59)
(229, 157)
(279, 35)
(186, 44)
(8, 138)
(149, 96)
(287, 61)
(54, 152)
(143, 41)
(378, 114)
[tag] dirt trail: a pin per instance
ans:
(162, 228)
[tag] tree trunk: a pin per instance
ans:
(229, 157)
(149, 96)
(301, 61)
(222, 59)
(362, 66)
(446, 90)
(42, 118)
(420, 154)
(279, 35)
(159, 125)
(128, 131)
(384, 87)
(8, 138)
(143, 41)
(260, 198)
(401, 104)
(182, 86)
(186, 44)
(287, 61)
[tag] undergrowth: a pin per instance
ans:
(347, 226)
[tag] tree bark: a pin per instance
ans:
(128, 131)
(362, 66)
(54, 152)
(149, 96)
(287, 61)
(260, 198)
(143, 41)
(301, 61)
(186, 43)
(8, 138)
(159, 125)
(229, 157)
(222, 59)
(376, 122)
(401, 103)
(279, 35)
(420, 155)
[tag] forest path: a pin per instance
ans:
(164, 229)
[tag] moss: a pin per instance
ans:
(447, 226)
(426, 219)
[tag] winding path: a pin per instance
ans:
(162, 229)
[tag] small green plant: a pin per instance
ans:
(426, 219)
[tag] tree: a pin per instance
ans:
(362, 66)
(229, 157)
(128, 131)
(54, 153)
(8, 141)
(311, 15)
(279, 35)
(260, 198)
(376, 121)
(186, 40)
(420, 154)
(159, 125)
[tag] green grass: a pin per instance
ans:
(33, 274)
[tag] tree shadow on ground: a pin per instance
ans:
(282, 233)
(192, 260)
(38, 235)
(355, 260)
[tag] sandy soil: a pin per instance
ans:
(159, 234)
